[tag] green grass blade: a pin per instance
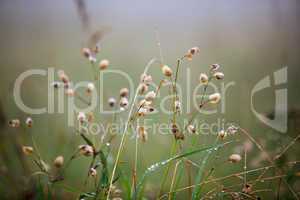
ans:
(158, 165)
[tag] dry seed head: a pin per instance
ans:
(62, 76)
(70, 92)
(27, 150)
(192, 52)
(103, 64)
(177, 105)
(203, 78)
(150, 96)
(146, 79)
(142, 133)
(86, 150)
(222, 134)
(29, 122)
(14, 123)
(166, 70)
(112, 102)
(191, 128)
(218, 75)
(86, 52)
(124, 102)
(81, 117)
(235, 158)
(214, 98)
(90, 88)
(214, 67)
(59, 161)
(93, 172)
(143, 88)
(124, 92)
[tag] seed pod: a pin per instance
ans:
(214, 98)
(103, 64)
(142, 133)
(146, 79)
(123, 102)
(194, 50)
(150, 96)
(62, 76)
(81, 117)
(214, 67)
(124, 92)
(191, 128)
(29, 122)
(86, 52)
(222, 134)
(59, 161)
(143, 88)
(90, 88)
(86, 150)
(235, 158)
(112, 102)
(166, 70)
(70, 92)
(218, 75)
(27, 150)
(14, 123)
(203, 78)
(93, 172)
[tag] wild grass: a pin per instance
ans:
(189, 172)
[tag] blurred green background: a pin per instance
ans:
(249, 39)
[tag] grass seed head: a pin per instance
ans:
(218, 75)
(86, 52)
(222, 134)
(112, 102)
(191, 128)
(166, 70)
(143, 88)
(27, 150)
(93, 172)
(103, 64)
(150, 96)
(59, 161)
(86, 150)
(214, 98)
(124, 103)
(81, 117)
(234, 158)
(203, 79)
(124, 92)
(214, 67)
(29, 122)
(14, 123)
(90, 88)
(146, 79)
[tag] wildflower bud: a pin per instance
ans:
(142, 133)
(86, 150)
(191, 128)
(62, 76)
(111, 102)
(150, 96)
(27, 150)
(59, 161)
(218, 75)
(86, 52)
(14, 123)
(81, 117)
(166, 70)
(222, 134)
(214, 98)
(103, 64)
(56, 84)
(70, 92)
(29, 122)
(143, 88)
(93, 172)
(194, 50)
(124, 92)
(146, 79)
(177, 105)
(90, 88)
(214, 67)
(203, 78)
(235, 158)
(123, 102)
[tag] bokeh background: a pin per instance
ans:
(249, 39)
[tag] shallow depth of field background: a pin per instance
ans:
(249, 39)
